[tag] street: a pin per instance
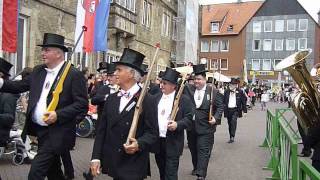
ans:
(242, 160)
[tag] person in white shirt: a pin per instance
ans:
(169, 146)
(264, 100)
(110, 152)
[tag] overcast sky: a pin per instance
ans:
(312, 6)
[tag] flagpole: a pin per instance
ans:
(84, 28)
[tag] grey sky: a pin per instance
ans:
(312, 6)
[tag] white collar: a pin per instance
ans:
(170, 96)
(56, 69)
(132, 91)
(203, 89)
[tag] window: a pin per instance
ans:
(214, 27)
(224, 64)
(290, 45)
(303, 24)
(21, 47)
(291, 25)
(266, 65)
(267, 26)
(255, 64)
(256, 45)
(214, 64)
(275, 62)
(146, 16)
(267, 45)
(257, 26)
(278, 44)
(279, 26)
(214, 46)
(302, 43)
(165, 24)
(130, 5)
(224, 45)
(204, 46)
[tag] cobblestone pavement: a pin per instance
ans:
(242, 160)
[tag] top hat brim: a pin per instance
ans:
(130, 65)
(65, 49)
(4, 71)
(169, 80)
(99, 69)
(200, 72)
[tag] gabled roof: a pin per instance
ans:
(235, 14)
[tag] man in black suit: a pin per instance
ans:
(234, 103)
(54, 129)
(8, 103)
(169, 146)
(120, 160)
(201, 136)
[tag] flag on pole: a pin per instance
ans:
(93, 14)
(9, 25)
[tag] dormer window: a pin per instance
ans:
(214, 27)
(230, 28)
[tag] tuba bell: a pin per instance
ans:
(306, 103)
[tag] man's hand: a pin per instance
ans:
(172, 125)
(133, 147)
(212, 121)
(95, 168)
(50, 117)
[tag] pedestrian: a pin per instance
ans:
(201, 136)
(170, 143)
(8, 103)
(264, 100)
(110, 152)
(234, 104)
(54, 129)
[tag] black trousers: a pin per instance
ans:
(192, 144)
(305, 140)
(232, 121)
(47, 162)
(205, 144)
(316, 164)
(67, 164)
(126, 179)
(168, 166)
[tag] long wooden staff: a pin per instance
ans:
(138, 108)
(175, 108)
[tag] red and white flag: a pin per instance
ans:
(8, 25)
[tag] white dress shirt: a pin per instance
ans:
(126, 96)
(41, 106)
(164, 111)
(199, 95)
(232, 100)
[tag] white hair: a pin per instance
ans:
(136, 74)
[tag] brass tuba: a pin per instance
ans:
(306, 103)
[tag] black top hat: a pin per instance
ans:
(53, 40)
(102, 65)
(132, 59)
(161, 73)
(5, 66)
(144, 67)
(234, 81)
(171, 75)
(111, 68)
(199, 69)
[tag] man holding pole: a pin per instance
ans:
(205, 99)
(54, 127)
(118, 159)
(169, 146)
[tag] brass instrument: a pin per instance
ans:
(144, 91)
(306, 103)
(176, 101)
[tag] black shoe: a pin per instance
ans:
(231, 140)
(305, 153)
(193, 173)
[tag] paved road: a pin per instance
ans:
(242, 160)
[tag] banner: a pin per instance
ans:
(9, 25)
(94, 15)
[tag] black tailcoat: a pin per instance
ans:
(202, 125)
(73, 101)
(112, 134)
(175, 139)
